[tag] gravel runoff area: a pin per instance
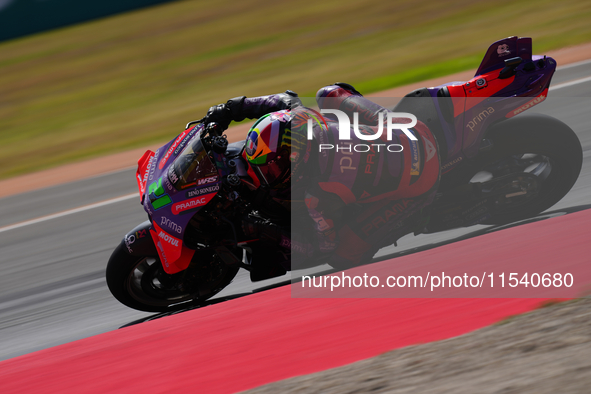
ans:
(547, 350)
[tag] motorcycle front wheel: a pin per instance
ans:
(141, 283)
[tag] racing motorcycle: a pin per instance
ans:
(497, 166)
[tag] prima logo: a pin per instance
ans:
(480, 117)
(170, 224)
(345, 131)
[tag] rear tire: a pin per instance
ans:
(546, 137)
(140, 282)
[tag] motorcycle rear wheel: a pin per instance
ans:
(530, 139)
(140, 282)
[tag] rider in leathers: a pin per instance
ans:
(359, 198)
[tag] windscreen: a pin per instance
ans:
(192, 164)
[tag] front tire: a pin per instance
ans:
(140, 282)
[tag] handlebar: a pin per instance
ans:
(193, 122)
(213, 128)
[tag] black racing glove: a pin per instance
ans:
(348, 87)
(219, 114)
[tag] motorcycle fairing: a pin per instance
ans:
(172, 204)
(529, 104)
(504, 49)
(177, 146)
(490, 97)
(138, 242)
(174, 256)
(143, 168)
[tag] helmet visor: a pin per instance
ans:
(274, 171)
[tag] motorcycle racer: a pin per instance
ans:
(352, 184)
(358, 196)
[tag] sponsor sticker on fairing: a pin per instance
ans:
(144, 166)
(204, 181)
(168, 238)
(153, 165)
(173, 146)
(193, 203)
(203, 190)
(503, 50)
(169, 247)
(480, 117)
(530, 104)
(167, 183)
(131, 238)
(184, 142)
(178, 144)
(172, 175)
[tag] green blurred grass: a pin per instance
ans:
(137, 78)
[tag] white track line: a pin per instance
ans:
(570, 83)
(69, 212)
(581, 63)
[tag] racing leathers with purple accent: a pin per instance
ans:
(240, 108)
(359, 195)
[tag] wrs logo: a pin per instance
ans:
(345, 127)
(204, 181)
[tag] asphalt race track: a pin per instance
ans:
(53, 291)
